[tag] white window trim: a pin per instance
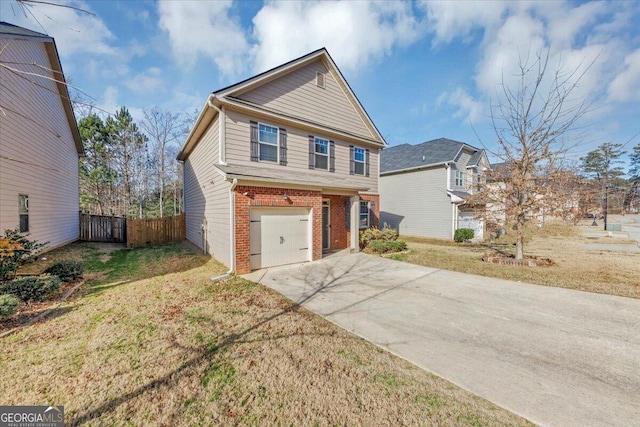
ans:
(315, 151)
(364, 161)
(277, 145)
(460, 178)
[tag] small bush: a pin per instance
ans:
(66, 270)
(463, 234)
(371, 234)
(384, 246)
(32, 288)
(8, 305)
(16, 249)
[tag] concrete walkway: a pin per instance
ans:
(554, 356)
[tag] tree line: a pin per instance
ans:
(130, 169)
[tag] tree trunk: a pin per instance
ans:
(519, 241)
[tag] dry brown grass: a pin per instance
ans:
(607, 271)
(178, 350)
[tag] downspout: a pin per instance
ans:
(232, 234)
(222, 130)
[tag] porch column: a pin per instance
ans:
(355, 223)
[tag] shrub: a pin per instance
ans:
(370, 234)
(66, 270)
(16, 249)
(384, 246)
(8, 305)
(463, 234)
(32, 287)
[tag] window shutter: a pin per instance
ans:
(254, 141)
(347, 212)
(332, 156)
(283, 147)
(366, 159)
(312, 152)
(352, 162)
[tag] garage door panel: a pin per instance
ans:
(279, 236)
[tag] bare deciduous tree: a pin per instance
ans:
(163, 129)
(533, 123)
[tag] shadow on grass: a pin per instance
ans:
(332, 277)
(25, 319)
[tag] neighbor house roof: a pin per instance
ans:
(430, 153)
(228, 96)
(10, 31)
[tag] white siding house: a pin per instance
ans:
(39, 140)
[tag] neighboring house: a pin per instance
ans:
(423, 187)
(39, 140)
(280, 167)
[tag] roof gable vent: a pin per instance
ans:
(320, 79)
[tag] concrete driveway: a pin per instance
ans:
(554, 356)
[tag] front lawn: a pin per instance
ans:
(606, 269)
(152, 341)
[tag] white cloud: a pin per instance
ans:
(467, 107)
(626, 85)
(75, 32)
(150, 80)
(509, 33)
(354, 32)
(458, 19)
(204, 27)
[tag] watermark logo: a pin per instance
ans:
(31, 416)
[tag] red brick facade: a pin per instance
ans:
(274, 197)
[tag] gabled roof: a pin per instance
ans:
(229, 96)
(430, 153)
(10, 31)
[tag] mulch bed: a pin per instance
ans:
(528, 261)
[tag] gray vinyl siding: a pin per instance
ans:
(297, 94)
(238, 153)
(416, 203)
(206, 198)
(38, 156)
(461, 165)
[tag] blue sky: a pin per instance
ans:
(423, 70)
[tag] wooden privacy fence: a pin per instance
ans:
(142, 232)
(101, 228)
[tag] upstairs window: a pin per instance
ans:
(268, 143)
(321, 153)
(460, 179)
(23, 212)
(359, 160)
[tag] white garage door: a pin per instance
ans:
(468, 220)
(279, 236)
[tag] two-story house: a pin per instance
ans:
(423, 187)
(281, 167)
(39, 140)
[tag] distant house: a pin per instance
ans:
(281, 167)
(39, 140)
(424, 187)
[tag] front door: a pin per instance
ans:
(326, 240)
